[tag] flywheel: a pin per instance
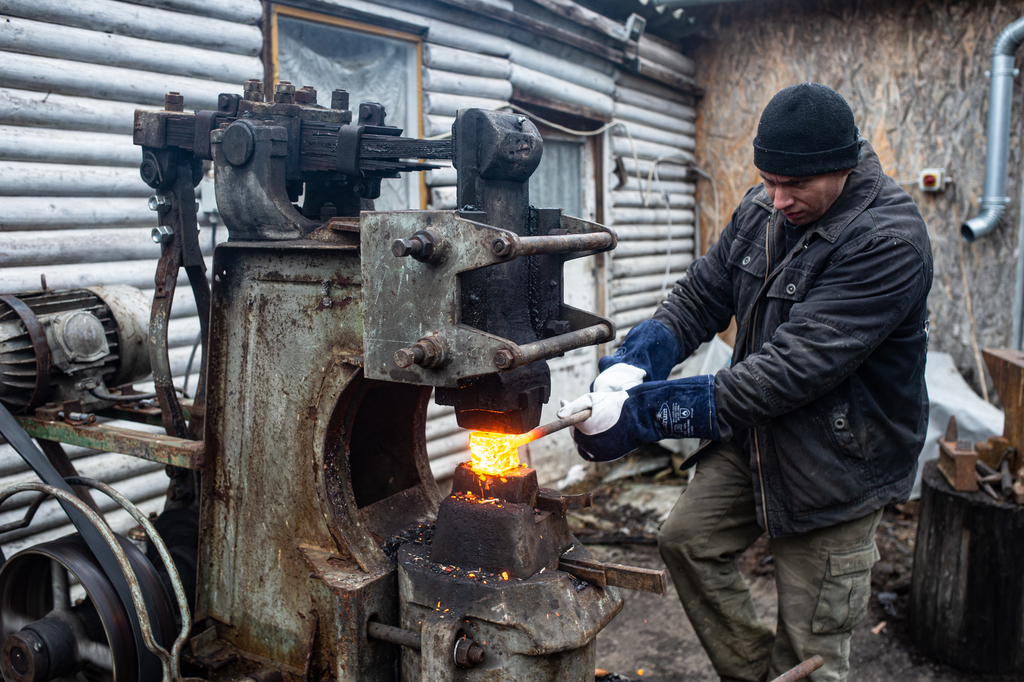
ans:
(47, 635)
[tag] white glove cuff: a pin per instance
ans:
(620, 377)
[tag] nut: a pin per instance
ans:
(162, 234)
(504, 359)
(501, 247)
(284, 93)
(339, 99)
(173, 101)
(253, 89)
(310, 93)
(159, 202)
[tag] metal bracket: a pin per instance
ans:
(405, 301)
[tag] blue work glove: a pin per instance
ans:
(648, 353)
(622, 421)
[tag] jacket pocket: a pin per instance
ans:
(845, 592)
(792, 284)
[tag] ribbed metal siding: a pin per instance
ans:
(73, 206)
(656, 238)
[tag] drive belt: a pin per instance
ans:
(149, 664)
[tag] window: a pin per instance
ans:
(558, 181)
(374, 64)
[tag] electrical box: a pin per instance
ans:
(932, 180)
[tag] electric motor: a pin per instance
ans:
(63, 345)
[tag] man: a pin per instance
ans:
(818, 422)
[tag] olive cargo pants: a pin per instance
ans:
(823, 577)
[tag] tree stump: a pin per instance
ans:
(967, 594)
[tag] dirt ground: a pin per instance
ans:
(651, 639)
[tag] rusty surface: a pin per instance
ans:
(537, 629)
(179, 452)
(308, 462)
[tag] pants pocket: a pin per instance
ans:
(845, 591)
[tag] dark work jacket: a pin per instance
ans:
(826, 388)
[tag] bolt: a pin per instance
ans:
(173, 101)
(158, 202)
(504, 359)
(339, 99)
(406, 247)
(162, 234)
(150, 172)
(310, 93)
(468, 653)
(284, 92)
(501, 246)
(253, 90)
(407, 357)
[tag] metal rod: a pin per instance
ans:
(548, 429)
(389, 633)
(802, 670)
(556, 345)
(535, 246)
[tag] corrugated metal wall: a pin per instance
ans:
(72, 205)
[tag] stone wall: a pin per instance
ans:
(913, 72)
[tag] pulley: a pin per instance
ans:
(49, 636)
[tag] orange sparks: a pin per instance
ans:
(504, 575)
(493, 453)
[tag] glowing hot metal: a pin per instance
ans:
(495, 453)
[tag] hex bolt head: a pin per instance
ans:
(407, 357)
(173, 101)
(310, 93)
(284, 93)
(406, 247)
(339, 99)
(504, 359)
(253, 89)
(501, 247)
(162, 234)
(158, 202)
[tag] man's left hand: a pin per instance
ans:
(622, 421)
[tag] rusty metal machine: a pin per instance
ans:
(324, 548)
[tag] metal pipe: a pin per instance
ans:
(567, 243)
(1017, 328)
(389, 633)
(556, 345)
(1000, 101)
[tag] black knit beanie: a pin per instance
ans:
(806, 129)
